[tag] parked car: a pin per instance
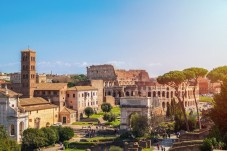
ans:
(57, 124)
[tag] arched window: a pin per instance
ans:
(167, 95)
(163, 105)
(171, 94)
(21, 128)
(132, 93)
(12, 130)
(163, 93)
(154, 94)
(159, 94)
(149, 94)
(127, 93)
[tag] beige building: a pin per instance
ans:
(41, 78)
(80, 97)
(55, 92)
(68, 116)
(41, 113)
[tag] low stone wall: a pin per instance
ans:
(194, 135)
(187, 143)
(186, 148)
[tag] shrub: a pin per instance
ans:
(88, 111)
(115, 148)
(33, 138)
(106, 107)
(50, 136)
(66, 133)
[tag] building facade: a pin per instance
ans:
(12, 116)
(28, 73)
(80, 97)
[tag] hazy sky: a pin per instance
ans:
(156, 35)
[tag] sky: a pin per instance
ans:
(155, 35)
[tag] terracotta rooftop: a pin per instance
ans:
(82, 88)
(33, 101)
(50, 86)
(67, 110)
(28, 50)
(10, 92)
(34, 104)
(39, 107)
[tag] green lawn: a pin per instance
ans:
(147, 149)
(100, 138)
(205, 99)
(75, 149)
(115, 110)
(85, 123)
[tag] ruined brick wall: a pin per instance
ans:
(101, 72)
(129, 77)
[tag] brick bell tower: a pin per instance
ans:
(28, 73)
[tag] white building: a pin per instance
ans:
(4, 76)
(12, 116)
(80, 97)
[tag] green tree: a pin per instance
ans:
(65, 133)
(106, 116)
(219, 113)
(139, 124)
(193, 77)
(106, 107)
(32, 139)
(174, 79)
(88, 111)
(50, 135)
(7, 144)
(217, 74)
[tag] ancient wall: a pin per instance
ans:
(129, 77)
(101, 72)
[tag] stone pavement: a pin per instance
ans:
(166, 143)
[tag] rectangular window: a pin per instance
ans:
(68, 95)
(74, 95)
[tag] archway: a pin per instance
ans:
(37, 123)
(127, 93)
(154, 94)
(149, 94)
(12, 130)
(163, 105)
(163, 93)
(21, 128)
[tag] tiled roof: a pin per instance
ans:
(27, 50)
(39, 107)
(10, 92)
(67, 110)
(34, 104)
(82, 88)
(33, 101)
(50, 86)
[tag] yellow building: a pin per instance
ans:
(41, 113)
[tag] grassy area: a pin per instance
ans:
(100, 138)
(85, 123)
(115, 110)
(147, 149)
(205, 99)
(75, 149)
